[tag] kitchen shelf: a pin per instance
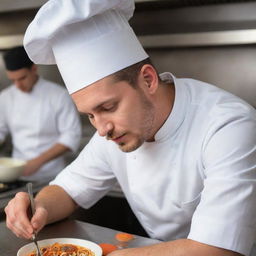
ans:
(215, 38)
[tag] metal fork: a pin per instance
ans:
(33, 209)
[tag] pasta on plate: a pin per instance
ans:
(58, 249)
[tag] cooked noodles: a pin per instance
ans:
(58, 249)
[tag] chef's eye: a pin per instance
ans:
(111, 107)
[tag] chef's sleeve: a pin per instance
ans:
(89, 177)
(68, 122)
(225, 216)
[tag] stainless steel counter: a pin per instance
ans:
(68, 228)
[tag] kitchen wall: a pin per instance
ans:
(232, 68)
(215, 43)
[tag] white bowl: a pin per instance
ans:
(11, 169)
(26, 249)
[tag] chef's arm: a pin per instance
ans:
(57, 203)
(3, 134)
(181, 247)
(52, 204)
(34, 164)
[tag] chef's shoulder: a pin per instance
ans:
(214, 100)
(57, 94)
(53, 87)
(216, 106)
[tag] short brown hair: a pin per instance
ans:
(16, 58)
(131, 73)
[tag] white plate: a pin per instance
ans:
(11, 169)
(26, 249)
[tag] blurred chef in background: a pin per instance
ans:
(40, 117)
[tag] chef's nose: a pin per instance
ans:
(104, 127)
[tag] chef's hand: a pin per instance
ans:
(17, 219)
(32, 166)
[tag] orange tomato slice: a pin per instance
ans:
(107, 248)
(124, 237)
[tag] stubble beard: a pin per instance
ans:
(146, 127)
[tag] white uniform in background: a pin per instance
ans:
(197, 180)
(38, 120)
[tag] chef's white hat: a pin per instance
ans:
(87, 39)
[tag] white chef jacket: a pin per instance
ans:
(38, 120)
(197, 179)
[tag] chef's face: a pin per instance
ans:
(24, 78)
(118, 111)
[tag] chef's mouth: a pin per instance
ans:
(117, 139)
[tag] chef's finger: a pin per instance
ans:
(16, 212)
(21, 211)
(13, 222)
(39, 219)
(19, 232)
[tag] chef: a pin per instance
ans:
(183, 151)
(40, 117)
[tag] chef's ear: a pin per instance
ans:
(150, 78)
(34, 68)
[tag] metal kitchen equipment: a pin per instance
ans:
(33, 209)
